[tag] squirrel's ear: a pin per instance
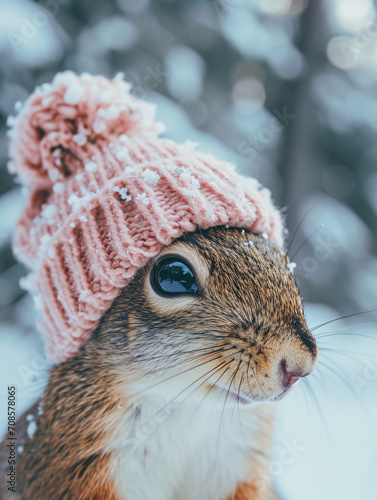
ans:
(52, 128)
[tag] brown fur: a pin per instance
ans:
(249, 306)
(258, 487)
(65, 458)
(247, 491)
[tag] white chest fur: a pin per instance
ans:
(185, 453)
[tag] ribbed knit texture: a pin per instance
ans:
(105, 195)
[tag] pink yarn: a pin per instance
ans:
(106, 194)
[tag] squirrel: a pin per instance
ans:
(168, 367)
(172, 397)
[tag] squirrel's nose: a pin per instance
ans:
(288, 378)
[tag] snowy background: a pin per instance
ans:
(286, 90)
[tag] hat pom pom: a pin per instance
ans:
(67, 114)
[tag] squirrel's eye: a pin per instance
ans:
(173, 276)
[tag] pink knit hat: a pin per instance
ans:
(105, 194)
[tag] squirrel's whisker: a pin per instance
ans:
(187, 370)
(300, 223)
(345, 353)
(316, 404)
(313, 329)
(346, 382)
(188, 387)
(226, 398)
(306, 240)
(226, 368)
(344, 334)
(213, 350)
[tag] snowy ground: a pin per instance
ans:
(326, 454)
